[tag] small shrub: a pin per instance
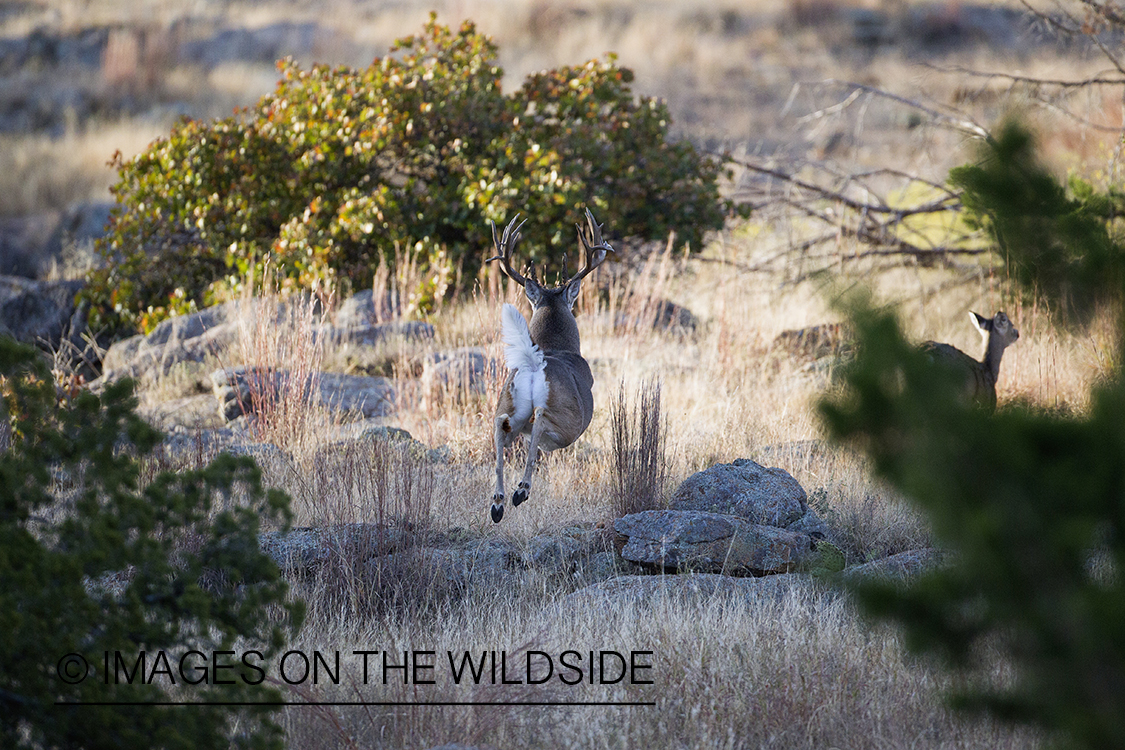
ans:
(339, 169)
(640, 436)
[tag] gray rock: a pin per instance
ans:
(354, 440)
(491, 564)
(744, 489)
(900, 567)
(359, 395)
(602, 566)
(24, 242)
(304, 550)
(37, 312)
(712, 542)
(245, 389)
(375, 334)
(178, 340)
(457, 374)
(813, 525)
(660, 315)
(555, 552)
(364, 309)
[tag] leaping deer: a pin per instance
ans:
(548, 393)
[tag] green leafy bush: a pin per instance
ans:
(1031, 503)
(339, 168)
(97, 557)
(1059, 242)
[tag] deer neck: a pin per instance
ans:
(555, 330)
(993, 352)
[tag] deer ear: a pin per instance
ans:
(533, 291)
(572, 290)
(983, 324)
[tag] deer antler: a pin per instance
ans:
(505, 245)
(594, 248)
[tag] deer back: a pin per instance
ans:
(979, 382)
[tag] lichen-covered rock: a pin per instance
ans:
(900, 567)
(745, 489)
(712, 542)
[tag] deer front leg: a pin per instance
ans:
(538, 424)
(502, 430)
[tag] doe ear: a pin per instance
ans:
(572, 290)
(983, 324)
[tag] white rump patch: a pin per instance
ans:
(524, 358)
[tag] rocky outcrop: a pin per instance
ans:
(659, 315)
(900, 567)
(249, 390)
(42, 313)
(458, 374)
(178, 340)
(745, 489)
(716, 543)
(304, 550)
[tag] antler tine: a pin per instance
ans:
(594, 248)
(504, 246)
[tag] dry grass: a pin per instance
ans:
(639, 435)
(801, 671)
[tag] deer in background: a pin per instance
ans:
(548, 393)
(980, 377)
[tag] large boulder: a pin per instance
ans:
(303, 550)
(42, 313)
(745, 489)
(456, 375)
(375, 334)
(490, 564)
(716, 543)
(24, 240)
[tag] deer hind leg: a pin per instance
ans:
(538, 425)
(502, 437)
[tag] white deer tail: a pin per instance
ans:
(525, 359)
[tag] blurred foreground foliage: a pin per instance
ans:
(1032, 504)
(339, 169)
(101, 553)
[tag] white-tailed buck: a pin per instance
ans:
(548, 393)
(980, 377)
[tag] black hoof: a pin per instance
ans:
(521, 494)
(497, 513)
